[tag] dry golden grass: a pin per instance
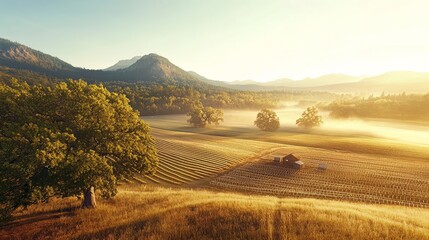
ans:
(159, 213)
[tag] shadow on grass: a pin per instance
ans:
(39, 217)
(113, 232)
(140, 226)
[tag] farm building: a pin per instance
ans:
(292, 158)
(298, 165)
(279, 159)
(290, 161)
(293, 161)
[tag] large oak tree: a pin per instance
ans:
(267, 120)
(200, 116)
(68, 140)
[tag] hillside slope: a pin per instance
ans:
(16, 55)
(139, 212)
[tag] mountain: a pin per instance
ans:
(307, 82)
(328, 80)
(390, 82)
(148, 69)
(123, 64)
(16, 55)
(399, 77)
(153, 68)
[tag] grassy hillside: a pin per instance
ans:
(138, 213)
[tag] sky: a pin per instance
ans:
(229, 39)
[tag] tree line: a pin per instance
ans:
(158, 99)
(397, 106)
(154, 98)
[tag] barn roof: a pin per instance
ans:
(292, 157)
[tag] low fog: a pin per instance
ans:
(390, 129)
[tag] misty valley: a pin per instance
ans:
(252, 120)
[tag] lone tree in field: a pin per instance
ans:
(202, 116)
(67, 140)
(267, 120)
(309, 118)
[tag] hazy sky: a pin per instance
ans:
(229, 39)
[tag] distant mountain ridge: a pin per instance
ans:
(155, 69)
(314, 82)
(123, 64)
(148, 69)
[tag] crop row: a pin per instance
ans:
(187, 157)
(385, 186)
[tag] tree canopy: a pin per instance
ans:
(267, 120)
(62, 140)
(202, 116)
(309, 118)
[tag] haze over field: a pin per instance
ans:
(242, 121)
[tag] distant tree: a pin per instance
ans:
(309, 118)
(68, 140)
(267, 120)
(202, 116)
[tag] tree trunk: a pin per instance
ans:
(89, 198)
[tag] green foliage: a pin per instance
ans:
(400, 106)
(59, 141)
(162, 98)
(267, 120)
(309, 118)
(169, 99)
(200, 116)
